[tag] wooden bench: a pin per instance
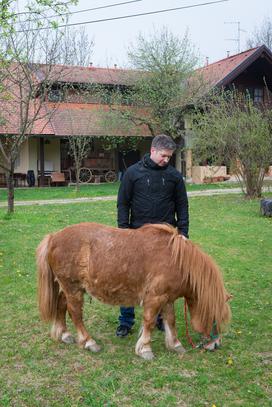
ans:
(19, 179)
(57, 178)
(46, 178)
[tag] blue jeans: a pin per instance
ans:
(127, 316)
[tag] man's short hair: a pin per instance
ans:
(163, 142)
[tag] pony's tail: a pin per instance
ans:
(48, 287)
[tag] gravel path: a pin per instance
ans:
(207, 192)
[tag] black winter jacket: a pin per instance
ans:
(152, 194)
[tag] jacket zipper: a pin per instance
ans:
(163, 181)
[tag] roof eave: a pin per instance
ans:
(242, 66)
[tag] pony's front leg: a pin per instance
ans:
(171, 340)
(75, 306)
(143, 345)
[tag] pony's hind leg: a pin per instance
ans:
(75, 307)
(171, 340)
(59, 329)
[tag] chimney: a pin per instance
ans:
(207, 61)
(115, 66)
(91, 64)
(228, 54)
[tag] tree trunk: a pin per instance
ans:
(254, 183)
(253, 190)
(77, 167)
(10, 185)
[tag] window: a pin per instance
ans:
(55, 95)
(256, 94)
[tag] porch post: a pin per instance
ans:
(188, 148)
(178, 159)
(189, 166)
(179, 153)
(41, 161)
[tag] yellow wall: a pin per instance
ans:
(29, 155)
(22, 161)
(52, 153)
(33, 154)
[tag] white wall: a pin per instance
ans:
(51, 153)
(23, 157)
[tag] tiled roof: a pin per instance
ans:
(10, 122)
(80, 74)
(72, 119)
(91, 120)
(220, 73)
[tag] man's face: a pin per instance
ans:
(160, 157)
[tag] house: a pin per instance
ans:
(73, 107)
(249, 71)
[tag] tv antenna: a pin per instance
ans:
(238, 38)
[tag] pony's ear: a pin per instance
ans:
(228, 297)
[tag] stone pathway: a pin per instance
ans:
(60, 201)
(208, 192)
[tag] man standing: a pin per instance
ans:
(151, 191)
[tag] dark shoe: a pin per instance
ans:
(122, 331)
(160, 325)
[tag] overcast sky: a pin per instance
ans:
(213, 28)
(207, 25)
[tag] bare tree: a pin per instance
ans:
(39, 13)
(75, 48)
(262, 35)
(24, 86)
(79, 147)
(28, 74)
(79, 142)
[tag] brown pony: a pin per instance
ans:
(151, 266)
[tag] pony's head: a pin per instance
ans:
(204, 324)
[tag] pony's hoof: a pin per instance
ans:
(67, 338)
(213, 345)
(179, 349)
(148, 355)
(92, 346)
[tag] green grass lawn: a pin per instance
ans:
(90, 190)
(35, 371)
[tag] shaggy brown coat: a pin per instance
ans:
(150, 266)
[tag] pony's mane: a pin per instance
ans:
(201, 274)
(204, 278)
(163, 227)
